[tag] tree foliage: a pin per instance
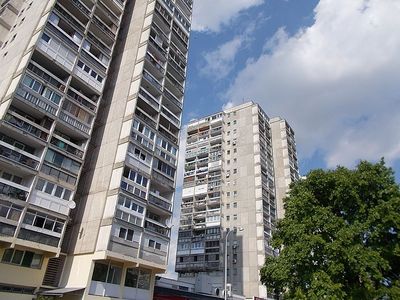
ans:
(339, 238)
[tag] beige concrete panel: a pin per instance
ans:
(150, 8)
(116, 178)
(42, 20)
(148, 20)
(145, 36)
(260, 231)
(78, 269)
(126, 129)
(109, 209)
(13, 296)
(130, 107)
(104, 237)
(13, 85)
(260, 245)
(138, 69)
(134, 88)
(121, 153)
(257, 180)
(3, 108)
(141, 52)
(258, 194)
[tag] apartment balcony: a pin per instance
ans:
(107, 15)
(67, 147)
(156, 67)
(152, 81)
(179, 39)
(105, 29)
(149, 98)
(66, 22)
(154, 227)
(163, 15)
(176, 70)
(158, 45)
(35, 100)
(99, 44)
(75, 123)
(165, 130)
(183, 19)
(81, 100)
(78, 9)
(167, 95)
(160, 202)
(87, 78)
(116, 6)
(170, 116)
(162, 179)
(131, 160)
(18, 156)
(174, 85)
(26, 127)
(57, 50)
(186, 6)
(145, 116)
(133, 189)
(12, 191)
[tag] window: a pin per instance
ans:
(228, 194)
(154, 244)
(23, 258)
(128, 203)
(131, 278)
(45, 37)
(44, 221)
(228, 152)
(143, 129)
(119, 214)
(235, 160)
(228, 161)
(228, 133)
(234, 122)
(107, 273)
(88, 70)
(140, 154)
(167, 146)
(144, 280)
(228, 206)
(234, 171)
(235, 217)
(229, 123)
(126, 234)
(165, 168)
(234, 150)
(227, 218)
(62, 161)
(235, 204)
(135, 177)
(10, 211)
(235, 193)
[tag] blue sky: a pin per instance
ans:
(330, 67)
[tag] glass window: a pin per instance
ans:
(17, 257)
(131, 279)
(67, 194)
(7, 256)
(122, 233)
(114, 275)
(100, 272)
(39, 221)
(144, 280)
(151, 243)
(129, 235)
(27, 260)
(49, 188)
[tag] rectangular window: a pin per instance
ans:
(131, 278)
(23, 258)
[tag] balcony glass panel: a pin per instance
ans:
(12, 192)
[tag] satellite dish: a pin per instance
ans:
(71, 204)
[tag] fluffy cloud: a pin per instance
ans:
(211, 15)
(337, 81)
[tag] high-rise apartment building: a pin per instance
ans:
(285, 160)
(91, 98)
(229, 182)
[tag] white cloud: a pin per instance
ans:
(212, 15)
(337, 81)
(220, 62)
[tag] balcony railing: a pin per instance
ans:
(77, 3)
(158, 201)
(74, 122)
(18, 157)
(174, 119)
(175, 82)
(172, 98)
(13, 192)
(155, 63)
(67, 148)
(26, 127)
(98, 43)
(105, 29)
(157, 229)
(150, 99)
(152, 80)
(28, 97)
(158, 46)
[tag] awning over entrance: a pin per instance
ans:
(60, 292)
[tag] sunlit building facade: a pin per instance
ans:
(91, 98)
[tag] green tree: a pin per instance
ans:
(339, 238)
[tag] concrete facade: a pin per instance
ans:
(229, 182)
(91, 103)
